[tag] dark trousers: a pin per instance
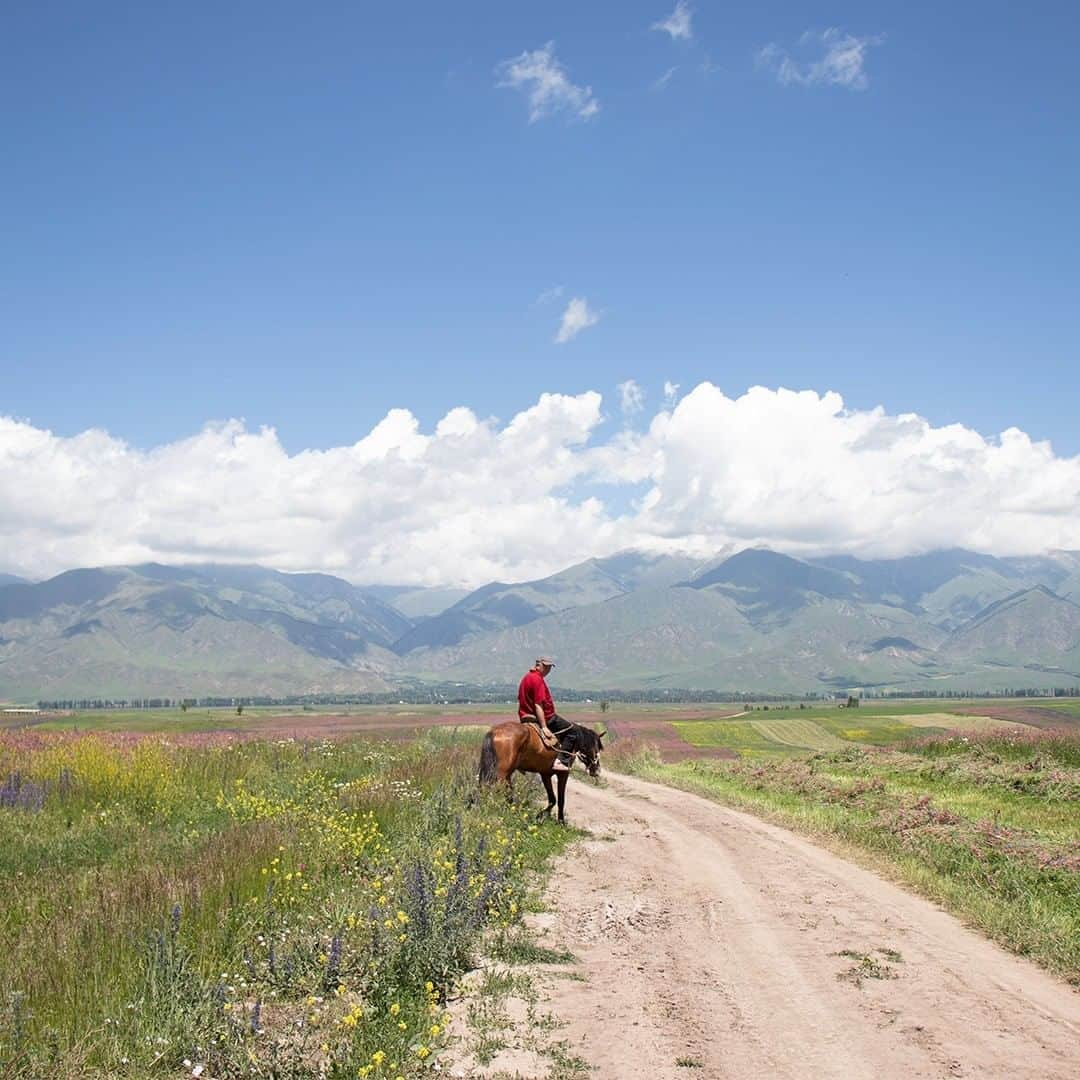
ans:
(566, 735)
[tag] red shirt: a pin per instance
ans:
(533, 691)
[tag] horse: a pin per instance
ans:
(513, 746)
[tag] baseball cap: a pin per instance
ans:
(545, 660)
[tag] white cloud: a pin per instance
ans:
(578, 316)
(671, 391)
(543, 80)
(631, 397)
(792, 470)
(661, 83)
(399, 504)
(548, 295)
(841, 63)
(677, 24)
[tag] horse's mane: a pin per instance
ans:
(593, 736)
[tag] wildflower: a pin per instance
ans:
(422, 1052)
(395, 1009)
(378, 1058)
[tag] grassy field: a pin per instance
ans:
(784, 730)
(985, 822)
(252, 719)
(263, 908)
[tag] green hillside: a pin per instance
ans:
(757, 621)
(167, 631)
(497, 606)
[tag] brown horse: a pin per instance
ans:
(516, 747)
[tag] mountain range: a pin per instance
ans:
(756, 621)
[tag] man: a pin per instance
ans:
(536, 707)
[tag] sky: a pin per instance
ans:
(444, 293)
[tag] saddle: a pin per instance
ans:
(536, 733)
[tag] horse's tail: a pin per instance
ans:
(489, 764)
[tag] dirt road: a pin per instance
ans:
(712, 944)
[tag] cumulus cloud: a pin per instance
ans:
(796, 471)
(631, 397)
(841, 61)
(543, 80)
(799, 472)
(677, 24)
(398, 504)
(578, 316)
(671, 391)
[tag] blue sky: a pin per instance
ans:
(303, 215)
(340, 286)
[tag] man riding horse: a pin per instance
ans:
(511, 747)
(536, 707)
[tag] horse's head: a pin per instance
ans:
(592, 742)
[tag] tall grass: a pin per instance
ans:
(248, 908)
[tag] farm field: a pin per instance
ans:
(792, 731)
(261, 720)
(218, 906)
(678, 731)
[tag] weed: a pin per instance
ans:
(486, 1045)
(564, 1064)
(866, 967)
(519, 948)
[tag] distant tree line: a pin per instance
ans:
(460, 694)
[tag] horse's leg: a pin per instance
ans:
(562, 796)
(546, 812)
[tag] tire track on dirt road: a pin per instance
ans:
(708, 937)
